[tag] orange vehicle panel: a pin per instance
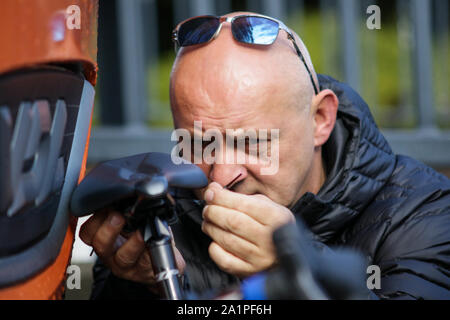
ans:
(33, 33)
(36, 32)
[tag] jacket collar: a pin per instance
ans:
(359, 161)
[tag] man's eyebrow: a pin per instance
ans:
(258, 137)
(246, 132)
(193, 131)
(202, 135)
(236, 134)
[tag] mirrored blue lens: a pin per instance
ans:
(255, 30)
(197, 31)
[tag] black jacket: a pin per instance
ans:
(392, 208)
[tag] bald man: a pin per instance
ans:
(335, 171)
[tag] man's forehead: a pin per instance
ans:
(206, 133)
(230, 78)
(202, 122)
(225, 59)
(238, 13)
(224, 51)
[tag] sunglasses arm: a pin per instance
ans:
(299, 53)
(290, 36)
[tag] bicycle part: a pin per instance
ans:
(116, 180)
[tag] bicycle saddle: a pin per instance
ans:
(151, 173)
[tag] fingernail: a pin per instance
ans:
(115, 220)
(209, 195)
(203, 211)
(215, 185)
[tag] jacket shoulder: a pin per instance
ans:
(412, 190)
(406, 232)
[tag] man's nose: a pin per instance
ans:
(226, 173)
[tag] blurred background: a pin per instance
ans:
(401, 71)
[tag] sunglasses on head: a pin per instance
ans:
(250, 29)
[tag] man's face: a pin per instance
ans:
(226, 85)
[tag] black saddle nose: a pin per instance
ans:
(149, 174)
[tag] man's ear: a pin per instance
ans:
(325, 106)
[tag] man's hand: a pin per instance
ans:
(130, 260)
(241, 228)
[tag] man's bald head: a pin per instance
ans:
(227, 72)
(228, 85)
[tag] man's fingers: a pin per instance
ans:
(233, 221)
(103, 241)
(229, 262)
(254, 207)
(128, 254)
(90, 227)
(233, 244)
(257, 206)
